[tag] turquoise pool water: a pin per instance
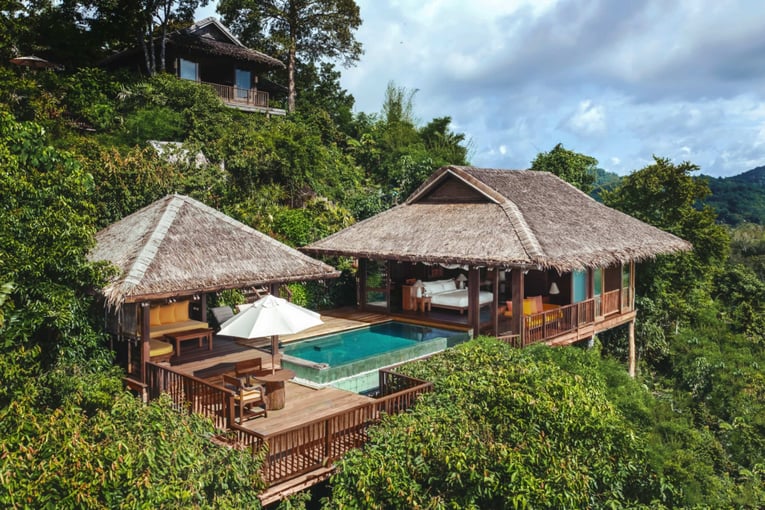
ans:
(348, 354)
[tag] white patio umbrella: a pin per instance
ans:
(270, 316)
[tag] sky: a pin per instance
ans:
(617, 80)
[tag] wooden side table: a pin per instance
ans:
(408, 297)
(274, 383)
(425, 303)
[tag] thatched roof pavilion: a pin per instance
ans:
(501, 218)
(178, 246)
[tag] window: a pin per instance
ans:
(189, 70)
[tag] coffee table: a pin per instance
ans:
(191, 334)
(274, 384)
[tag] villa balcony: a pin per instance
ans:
(251, 100)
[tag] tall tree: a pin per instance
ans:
(306, 29)
(144, 20)
(572, 167)
(666, 195)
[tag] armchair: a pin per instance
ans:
(246, 397)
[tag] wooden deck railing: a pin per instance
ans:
(610, 302)
(191, 394)
(543, 326)
(300, 449)
(238, 95)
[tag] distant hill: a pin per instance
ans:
(604, 180)
(736, 199)
(740, 198)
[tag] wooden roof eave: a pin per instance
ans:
(137, 298)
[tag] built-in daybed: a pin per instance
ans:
(445, 294)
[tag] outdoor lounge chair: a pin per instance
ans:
(246, 397)
(221, 314)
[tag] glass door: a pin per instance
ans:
(579, 286)
(243, 82)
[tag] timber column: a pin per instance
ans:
(632, 355)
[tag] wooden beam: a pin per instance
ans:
(474, 307)
(495, 302)
(203, 306)
(387, 285)
(632, 355)
(145, 332)
(361, 289)
(517, 298)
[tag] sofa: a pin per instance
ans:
(533, 305)
(165, 319)
(445, 294)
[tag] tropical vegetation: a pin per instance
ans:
(532, 428)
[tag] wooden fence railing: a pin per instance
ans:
(610, 302)
(231, 94)
(299, 449)
(558, 321)
(190, 394)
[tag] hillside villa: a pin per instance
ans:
(208, 53)
(517, 254)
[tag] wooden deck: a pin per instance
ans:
(316, 426)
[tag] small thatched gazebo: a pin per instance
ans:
(488, 219)
(180, 248)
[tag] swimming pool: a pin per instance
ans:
(341, 359)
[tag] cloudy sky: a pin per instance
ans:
(617, 80)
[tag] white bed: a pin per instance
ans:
(445, 294)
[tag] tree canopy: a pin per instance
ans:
(309, 30)
(573, 167)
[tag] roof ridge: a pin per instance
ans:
(151, 247)
(522, 229)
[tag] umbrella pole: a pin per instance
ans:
(274, 348)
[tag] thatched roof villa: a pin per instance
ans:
(178, 249)
(490, 222)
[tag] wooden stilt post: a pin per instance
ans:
(361, 289)
(474, 308)
(632, 354)
(145, 333)
(517, 298)
(495, 301)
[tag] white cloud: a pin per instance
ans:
(589, 119)
(620, 81)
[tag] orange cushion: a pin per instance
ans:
(528, 307)
(154, 316)
(167, 314)
(509, 307)
(181, 311)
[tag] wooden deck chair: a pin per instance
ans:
(246, 397)
(221, 314)
(250, 367)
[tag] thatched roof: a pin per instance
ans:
(501, 218)
(207, 37)
(178, 246)
(207, 46)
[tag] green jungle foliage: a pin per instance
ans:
(572, 167)
(740, 198)
(534, 428)
(565, 428)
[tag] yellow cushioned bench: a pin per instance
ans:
(169, 318)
